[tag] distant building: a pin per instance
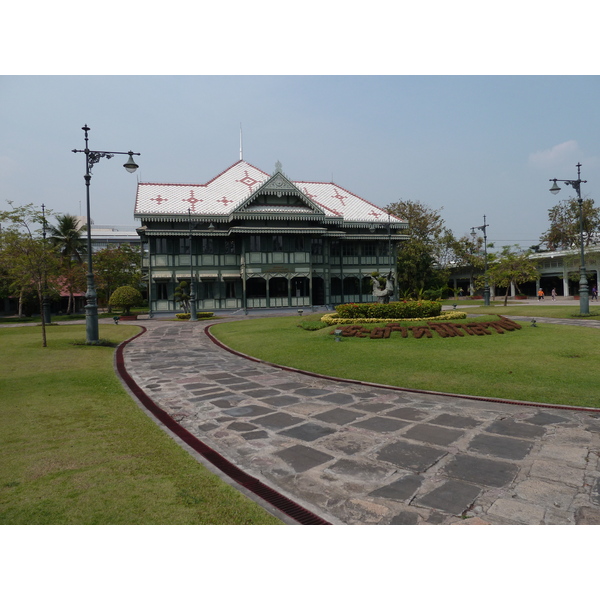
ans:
(110, 235)
(557, 269)
(560, 269)
(260, 241)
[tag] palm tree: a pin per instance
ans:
(67, 238)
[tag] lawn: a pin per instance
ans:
(543, 309)
(547, 363)
(76, 449)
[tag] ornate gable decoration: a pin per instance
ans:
(279, 193)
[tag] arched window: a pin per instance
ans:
(256, 287)
(278, 287)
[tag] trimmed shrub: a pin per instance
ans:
(126, 297)
(199, 315)
(412, 309)
(313, 325)
(334, 318)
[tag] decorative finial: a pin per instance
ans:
(278, 167)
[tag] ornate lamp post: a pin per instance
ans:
(392, 270)
(91, 308)
(193, 311)
(486, 287)
(584, 298)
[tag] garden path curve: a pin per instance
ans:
(355, 453)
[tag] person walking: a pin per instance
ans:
(540, 294)
(594, 293)
(553, 294)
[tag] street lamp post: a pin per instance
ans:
(193, 311)
(45, 301)
(584, 298)
(390, 257)
(91, 308)
(486, 287)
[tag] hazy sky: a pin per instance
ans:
(473, 145)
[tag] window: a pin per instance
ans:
(255, 243)
(162, 291)
(184, 245)
(207, 290)
(299, 244)
(277, 243)
(335, 248)
(316, 247)
(208, 246)
(230, 289)
(230, 247)
(369, 249)
(349, 250)
(161, 245)
(336, 286)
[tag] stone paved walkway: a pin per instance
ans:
(357, 454)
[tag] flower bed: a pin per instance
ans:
(407, 309)
(334, 319)
(444, 330)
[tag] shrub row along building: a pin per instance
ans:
(248, 239)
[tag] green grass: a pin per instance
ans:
(555, 311)
(76, 449)
(72, 317)
(548, 363)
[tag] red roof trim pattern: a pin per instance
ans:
(228, 191)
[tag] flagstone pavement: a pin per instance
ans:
(360, 454)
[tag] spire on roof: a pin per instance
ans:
(278, 167)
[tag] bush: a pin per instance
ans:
(334, 318)
(199, 315)
(313, 325)
(125, 297)
(413, 309)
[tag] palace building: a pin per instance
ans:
(247, 239)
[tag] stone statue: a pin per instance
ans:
(383, 288)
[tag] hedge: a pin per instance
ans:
(335, 319)
(406, 309)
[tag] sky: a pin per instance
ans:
(466, 107)
(467, 146)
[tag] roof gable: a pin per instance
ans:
(280, 195)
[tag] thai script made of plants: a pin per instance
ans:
(444, 330)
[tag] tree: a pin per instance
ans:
(30, 263)
(115, 267)
(510, 267)
(182, 295)
(65, 236)
(469, 255)
(564, 231)
(424, 259)
(126, 297)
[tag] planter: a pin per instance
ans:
(128, 318)
(521, 297)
